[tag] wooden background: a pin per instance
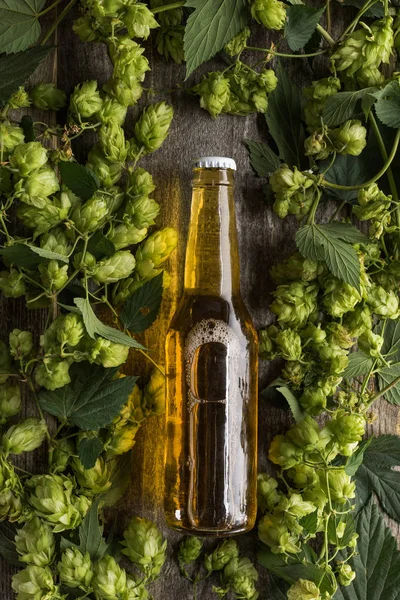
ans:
(264, 240)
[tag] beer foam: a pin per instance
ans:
(206, 332)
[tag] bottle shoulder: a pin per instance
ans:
(194, 308)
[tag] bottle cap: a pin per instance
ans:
(214, 162)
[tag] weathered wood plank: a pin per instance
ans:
(263, 238)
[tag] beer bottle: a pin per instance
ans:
(211, 372)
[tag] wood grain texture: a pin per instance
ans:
(264, 240)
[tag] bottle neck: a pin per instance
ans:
(212, 257)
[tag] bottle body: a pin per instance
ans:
(211, 369)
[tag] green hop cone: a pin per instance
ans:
(36, 189)
(349, 138)
(84, 28)
(107, 353)
(50, 215)
(109, 579)
(154, 394)
(295, 506)
(91, 215)
(25, 436)
(214, 91)
(373, 203)
(60, 457)
(152, 128)
(35, 543)
(267, 494)
(53, 276)
(189, 550)
(169, 42)
(92, 481)
(139, 20)
(339, 297)
(125, 91)
(126, 235)
(371, 343)
(294, 191)
(52, 496)
(27, 158)
(240, 575)
(108, 172)
(347, 428)
(145, 546)
(135, 590)
(289, 344)
(71, 330)
(364, 50)
(75, 569)
(21, 343)
(304, 590)
(116, 267)
(381, 302)
(122, 439)
(11, 506)
(303, 476)
(112, 142)
(140, 183)
(295, 303)
(266, 343)
(155, 250)
(284, 453)
(12, 283)
(35, 583)
(130, 66)
(221, 556)
(270, 13)
(341, 488)
(112, 112)
(345, 574)
(46, 96)
(19, 99)
(305, 434)
(11, 136)
(85, 100)
(10, 400)
(53, 373)
(238, 43)
(273, 531)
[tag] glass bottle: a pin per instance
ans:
(211, 369)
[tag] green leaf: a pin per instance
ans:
(387, 107)
(91, 400)
(209, 27)
(91, 534)
(292, 570)
(100, 246)
(350, 170)
(377, 566)
(376, 474)
(345, 232)
(300, 25)
(27, 126)
(283, 118)
(354, 461)
(341, 106)
(277, 589)
(79, 179)
(29, 257)
(19, 24)
(359, 364)
(376, 11)
(263, 160)
(95, 326)
(141, 309)
(337, 520)
(7, 544)
(325, 244)
(310, 522)
(391, 352)
(15, 70)
(89, 449)
(294, 405)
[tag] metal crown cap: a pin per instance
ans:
(214, 162)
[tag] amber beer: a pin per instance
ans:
(211, 366)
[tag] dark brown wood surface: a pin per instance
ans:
(264, 240)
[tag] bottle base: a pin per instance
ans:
(191, 529)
